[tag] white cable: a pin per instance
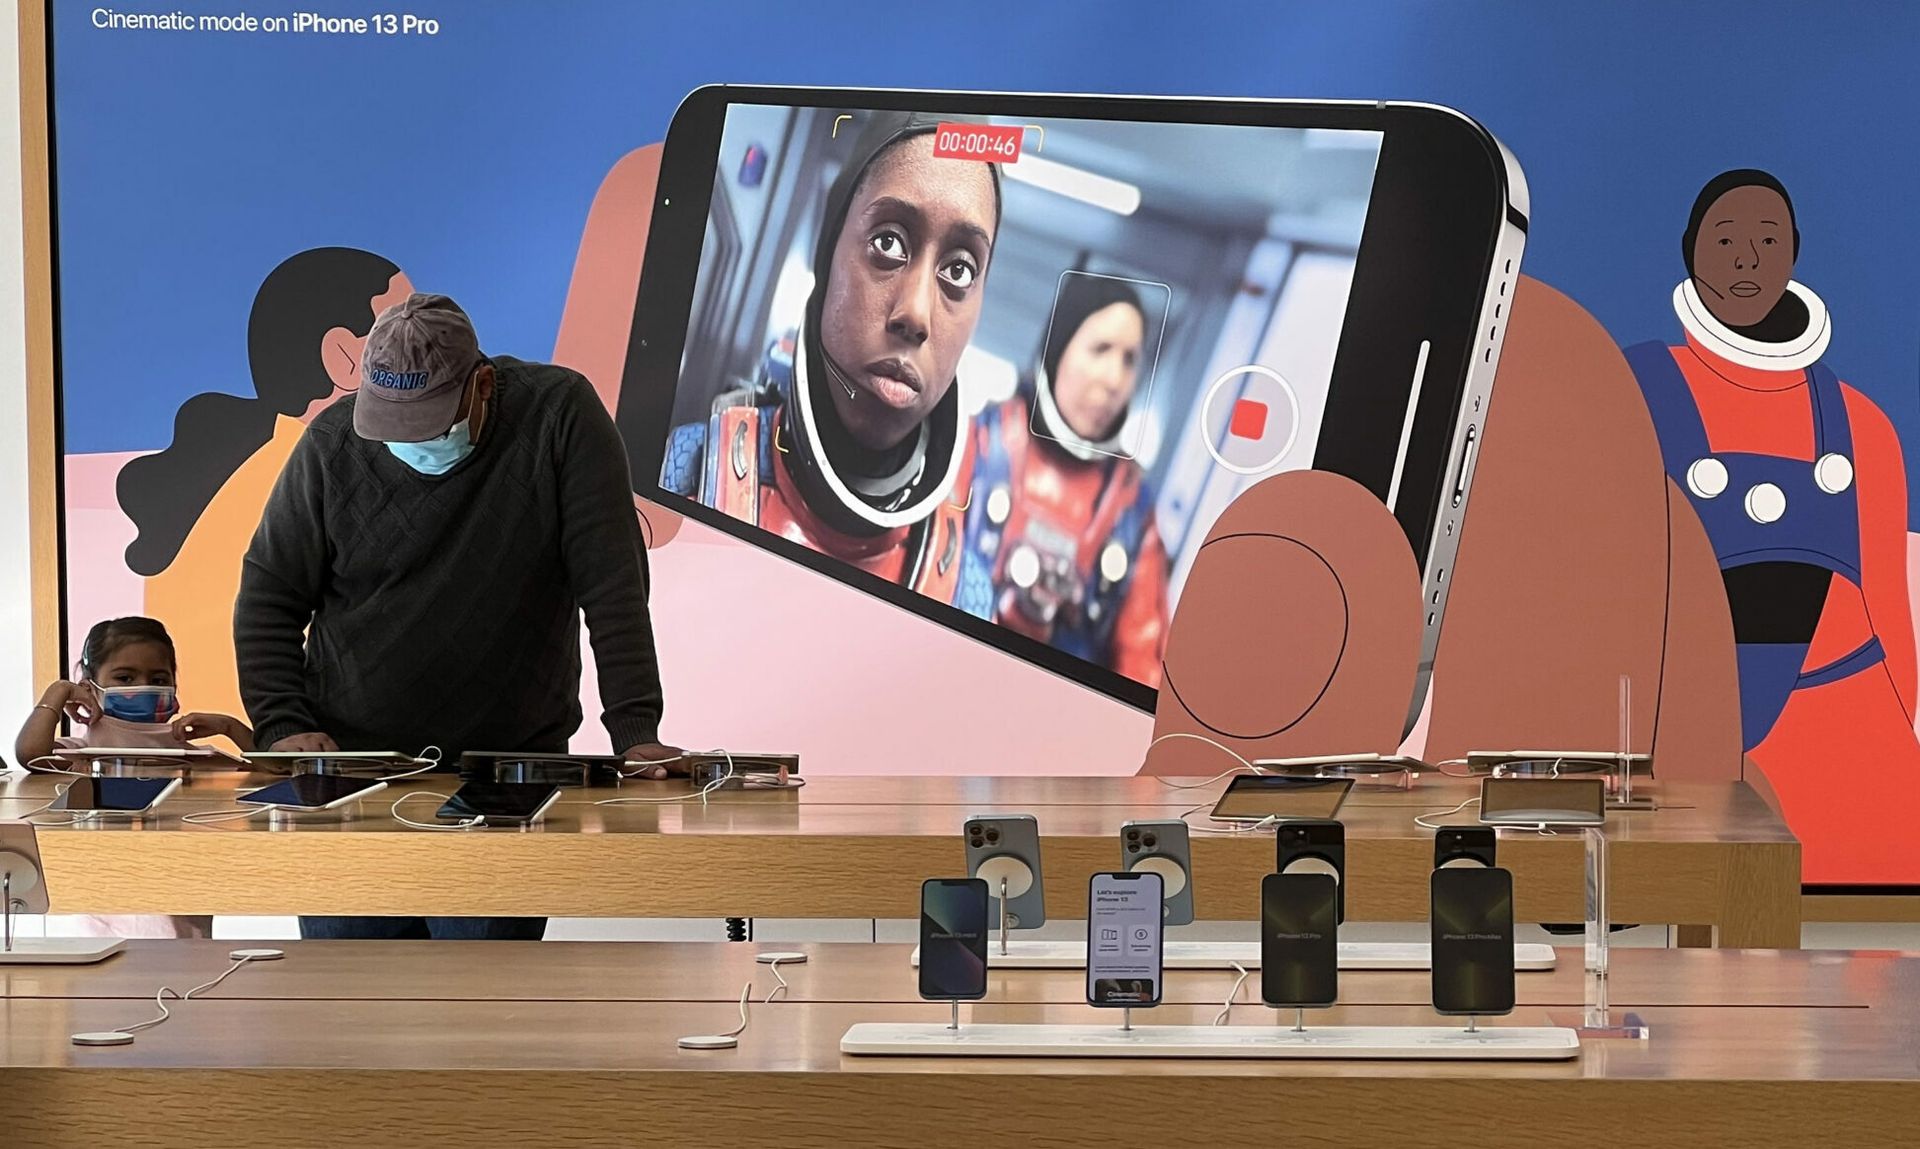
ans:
(160, 998)
(30, 768)
(1442, 765)
(1266, 823)
(1421, 819)
(783, 987)
(213, 817)
(700, 794)
(745, 991)
(647, 763)
(464, 824)
(1227, 750)
(429, 755)
(1232, 994)
(58, 794)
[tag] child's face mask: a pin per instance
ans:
(138, 703)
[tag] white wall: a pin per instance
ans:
(17, 688)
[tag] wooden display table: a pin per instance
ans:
(846, 847)
(456, 1066)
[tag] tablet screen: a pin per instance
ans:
(312, 791)
(1543, 801)
(1251, 798)
(115, 795)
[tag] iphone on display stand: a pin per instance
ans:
(953, 941)
(1315, 846)
(1004, 850)
(1124, 939)
(1472, 924)
(1299, 943)
(1162, 848)
(1319, 284)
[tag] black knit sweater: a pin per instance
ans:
(445, 610)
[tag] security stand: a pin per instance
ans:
(1003, 915)
(1598, 1018)
(1623, 798)
(40, 951)
(1071, 953)
(955, 1024)
(1237, 1042)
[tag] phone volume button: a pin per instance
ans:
(1465, 473)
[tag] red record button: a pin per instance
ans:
(994, 143)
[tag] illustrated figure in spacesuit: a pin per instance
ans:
(853, 443)
(1799, 482)
(1060, 512)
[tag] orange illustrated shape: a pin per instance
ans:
(1298, 630)
(598, 317)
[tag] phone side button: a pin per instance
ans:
(1465, 473)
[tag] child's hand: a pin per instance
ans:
(194, 727)
(74, 699)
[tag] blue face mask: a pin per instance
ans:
(138, 703)
(437, 456)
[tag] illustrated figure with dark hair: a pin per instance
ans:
(1799, 482)
(1060, 515)
(853, 442)
(196, 504)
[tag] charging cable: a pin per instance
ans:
(30, 816)
(1266, 823)
(464, 824)
(1422, 820)
(214, 817)
(700, 793)
(429, 757)
(731, 1037)
(124, 1034)
(1233, 995)
(645, 764)
(31, 767)
(1224, 749)
(726, 1040)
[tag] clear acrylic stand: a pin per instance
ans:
(1623, 796)
(1598, 1019)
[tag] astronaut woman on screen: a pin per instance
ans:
(1060, 513)
(853, 443)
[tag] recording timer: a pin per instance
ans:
(994, 143)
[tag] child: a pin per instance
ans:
(125, 697)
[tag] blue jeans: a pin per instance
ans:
(422, 929)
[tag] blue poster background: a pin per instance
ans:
(188, 164)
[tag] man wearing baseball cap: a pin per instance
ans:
(420, 571)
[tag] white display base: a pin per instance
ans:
(1035, 954)
(1346, 1042)
(60, 951)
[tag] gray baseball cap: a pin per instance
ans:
(414, 370)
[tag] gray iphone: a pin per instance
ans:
(1004, 849)
(1162, 848)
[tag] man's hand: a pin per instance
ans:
(311, 743)
(657, 759)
